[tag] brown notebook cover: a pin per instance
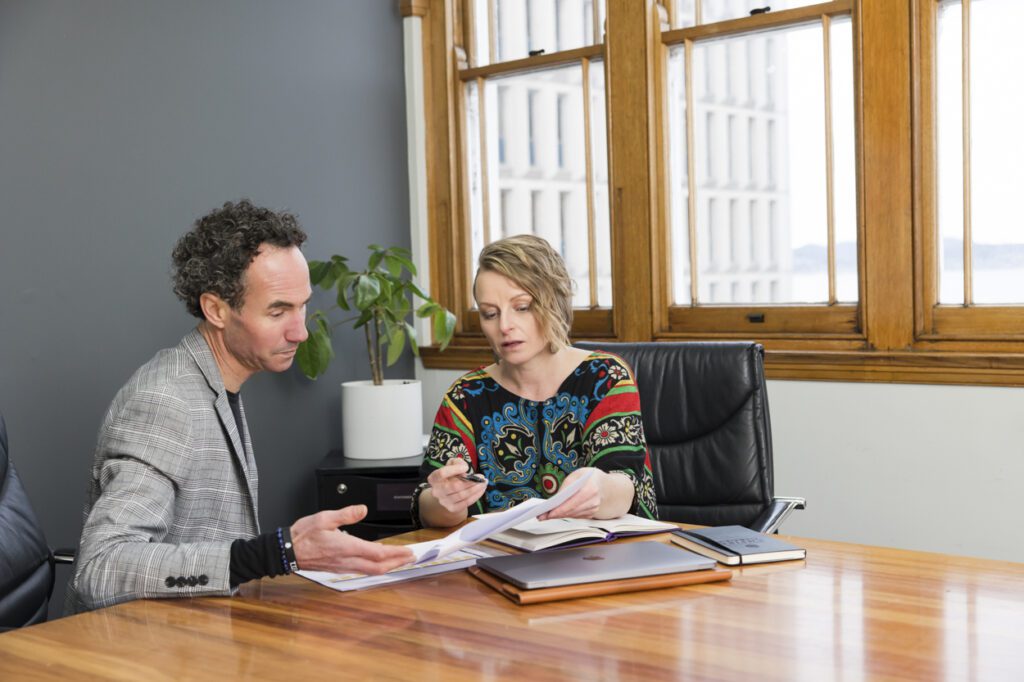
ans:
(545, 594)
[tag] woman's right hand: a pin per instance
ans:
(452, 492)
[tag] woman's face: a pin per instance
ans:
(507, 319)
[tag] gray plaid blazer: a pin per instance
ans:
(173, 484)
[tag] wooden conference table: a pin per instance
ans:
(848, 612)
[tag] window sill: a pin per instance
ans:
(909, 367)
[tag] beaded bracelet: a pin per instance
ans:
(284, 542)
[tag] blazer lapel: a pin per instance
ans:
(240, 443)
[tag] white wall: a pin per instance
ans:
(934, 468)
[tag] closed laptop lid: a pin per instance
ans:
(593, 563)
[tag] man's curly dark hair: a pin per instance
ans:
(214, 255)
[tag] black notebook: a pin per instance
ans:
(736, 545)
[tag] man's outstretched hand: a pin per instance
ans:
(320, 546)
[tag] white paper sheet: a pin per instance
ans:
(347, 582)
(484, 527)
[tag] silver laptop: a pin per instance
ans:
(593, 563)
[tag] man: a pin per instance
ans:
(172, 504)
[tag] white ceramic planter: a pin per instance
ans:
(382, 422)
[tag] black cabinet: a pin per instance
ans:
(384, 485)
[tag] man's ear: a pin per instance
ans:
(215, 309)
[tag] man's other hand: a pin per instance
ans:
(320, 546)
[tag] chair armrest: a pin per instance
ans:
(64, 555)
(772, 517)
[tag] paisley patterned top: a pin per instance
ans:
(526, 448)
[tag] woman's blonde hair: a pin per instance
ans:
(537, 268)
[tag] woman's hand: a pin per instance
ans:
(450, 490)
(585, 502)
(603, 496)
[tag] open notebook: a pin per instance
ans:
(535, 535)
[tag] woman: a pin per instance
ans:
(542, 414)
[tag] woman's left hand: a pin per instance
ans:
(585, 502)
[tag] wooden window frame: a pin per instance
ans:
(947, 326)
(896, 335)
(833, 325)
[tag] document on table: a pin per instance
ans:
(482, 528)
(346, 582)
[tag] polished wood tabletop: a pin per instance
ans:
(848, 612)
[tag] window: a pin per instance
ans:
(974, 265)
(533, 134)
(829, 178)
(803, 121)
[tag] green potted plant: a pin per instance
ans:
(381, 419)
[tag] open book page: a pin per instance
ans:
(489, 524)
(535, 535)
(623, 524)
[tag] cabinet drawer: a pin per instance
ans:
(387, 497)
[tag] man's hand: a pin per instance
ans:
(320, 546)
(450, 490)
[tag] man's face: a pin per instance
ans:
(266, 331)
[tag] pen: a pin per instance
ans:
(472, 478)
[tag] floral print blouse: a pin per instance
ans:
(526, 448)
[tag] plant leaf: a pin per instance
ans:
(410, 332)
(367, 291)
(386, 287)
(363, 319)
(427, 309)
(400, 304)
(317, 271)
(315, 353)
(444, 327)
(336, 270)
(394, 266)
(395, 343)
(403, 262)
(419, 292)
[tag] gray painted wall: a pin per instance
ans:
(121, 121)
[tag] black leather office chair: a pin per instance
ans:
(26, 563)
(705, 414)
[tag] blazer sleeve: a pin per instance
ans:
(124, 554)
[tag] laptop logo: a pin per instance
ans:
(593, 557)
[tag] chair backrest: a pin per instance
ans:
(26, 568)
(705, 415)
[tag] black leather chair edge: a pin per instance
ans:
(26, 562)
(706, 419)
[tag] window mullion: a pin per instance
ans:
(484, 175)
(826, 31)
(492, 31)
(588, 155)
(966, 103)
(691, 175)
